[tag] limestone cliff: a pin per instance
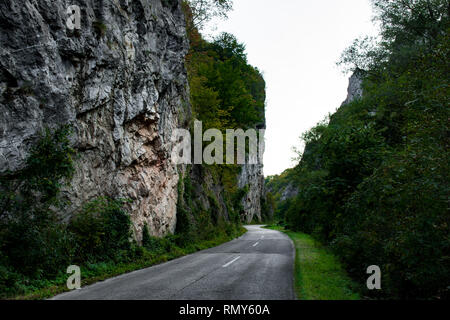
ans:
(252, 178)
(283, 186)
(120, 81)
(354, 90)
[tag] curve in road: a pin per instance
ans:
(257, 266)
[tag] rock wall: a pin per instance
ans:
(252, 177)
(119, 80)
(289, 190)
(355, 89)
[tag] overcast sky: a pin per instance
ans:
(296, 44)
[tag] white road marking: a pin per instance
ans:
(262, 237)
(256, 244)
(229, 263)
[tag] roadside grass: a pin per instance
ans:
(92, 273)
(318, 273)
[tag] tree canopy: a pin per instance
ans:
(374, 181)
(204, 11)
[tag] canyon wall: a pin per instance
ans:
(288, 190)
(120, 82)
(252, 178)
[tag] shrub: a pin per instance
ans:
(373, 181)
(145, 236)
(100, 28)
(33, 242)
(101, 231)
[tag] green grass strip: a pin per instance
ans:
(318, 273)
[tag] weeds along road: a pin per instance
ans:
(257, 266)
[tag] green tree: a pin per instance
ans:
(373, 180)
(204, 11)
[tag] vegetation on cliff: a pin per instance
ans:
(36, 247)
(374, 180)
(226, 93)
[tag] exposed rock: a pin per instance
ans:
(285, 187)
(208, 194)
(119, 80)
(355, 90)
(289, 192)
(252, 177)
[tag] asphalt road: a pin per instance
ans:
(257, 266)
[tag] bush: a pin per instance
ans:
(35, 245)
(33, 242)
(373, 181)
(146, 240)
(101, 231)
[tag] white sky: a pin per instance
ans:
(296, 44)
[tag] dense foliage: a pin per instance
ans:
(101, 231)
(374, 181)
(32, 243)
(226, 93)
(199, 220)
(203, 11)
(36, 247)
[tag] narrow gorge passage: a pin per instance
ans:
(236, 270)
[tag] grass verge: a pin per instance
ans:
(92, 273)
(318, 273)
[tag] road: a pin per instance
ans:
(257, 266)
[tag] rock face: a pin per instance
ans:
(121, 83)
(355, 90)
(119, 80)
(252, 177)
(289, 192)
(285, 188)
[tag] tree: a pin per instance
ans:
(204, 11)
(409, 28)
(373, 181)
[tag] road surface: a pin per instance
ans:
(257, 266)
